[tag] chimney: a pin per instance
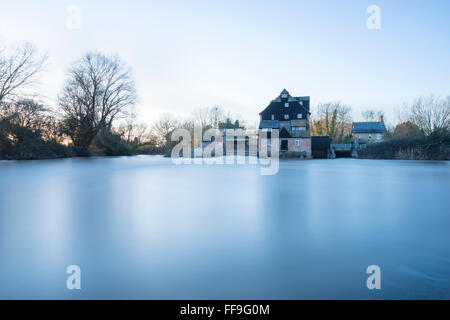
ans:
(380, 118)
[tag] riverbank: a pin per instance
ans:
(53, 150)
(379, 152)
(400, 149)
(407, 149)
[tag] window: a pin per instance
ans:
(286, 116)
(286, 104)
(284, 96)
(299, 116)
(298, 142)
(273, 117)
(301, 103)
(298, 128)
(269, 143)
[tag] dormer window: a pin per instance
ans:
(273, 117)
(286, 116)
(286, 104)
(299, 116)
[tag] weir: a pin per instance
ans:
(345, 150)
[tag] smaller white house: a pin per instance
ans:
(369, 131)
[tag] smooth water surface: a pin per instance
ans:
(142, 227)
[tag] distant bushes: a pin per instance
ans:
(93, 114)
(27, 132)
(150, 148)
(424, 133)
(111, 144)
(23, 143)
(434, 147)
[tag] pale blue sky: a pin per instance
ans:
(241, 54)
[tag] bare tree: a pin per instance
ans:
(431, 114)
(25, 113)
(216, 117)
(332, 119)
(126, 129)
(99, 90)
(344, 121)
(210, 116)
(19, 67)
(165, 125)
(216, 114)
(132, 131)
(201, 116)
(29, 123)
(142, 133)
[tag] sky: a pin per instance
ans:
(187, 55)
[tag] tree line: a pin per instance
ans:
(424, 118)
(421, 133)
(93, 114)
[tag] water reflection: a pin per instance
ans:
(143, 228)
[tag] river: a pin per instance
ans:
(144, 228)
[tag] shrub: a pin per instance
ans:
(434, 147)
(111, 144)
(23, 143)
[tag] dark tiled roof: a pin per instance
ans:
(285, 134)
(266, 124)
(368, 127)
(297, 105)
